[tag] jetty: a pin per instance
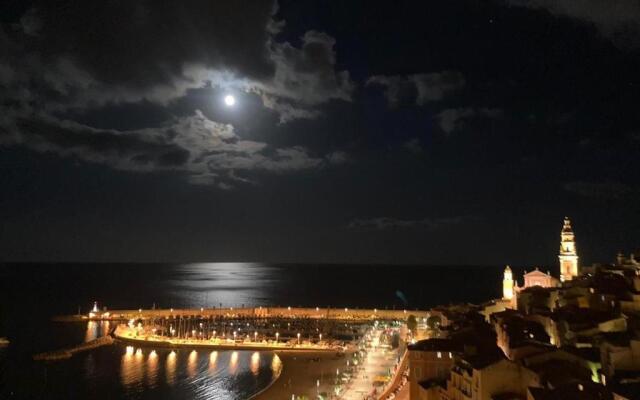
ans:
(64, 354)
(338, 314)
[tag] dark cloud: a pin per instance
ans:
(73, 54)
(618, 20)
(413, 146)
(207, 152)
(418, 88)
(72, 57)
(599, 190)
(384, 223)
(453, 119)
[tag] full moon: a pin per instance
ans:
(229, 100)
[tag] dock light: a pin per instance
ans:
(201, 309)
(277, 336)
(375, 310)
(172, 310)
(255, 336)
(289, 308)
(298, 337)
(337, 371)
(317, 308)
(234, 335)
(139, 310)
(321, 337)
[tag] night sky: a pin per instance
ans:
(434, 132)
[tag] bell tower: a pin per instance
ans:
(568, 256)
(507, 284)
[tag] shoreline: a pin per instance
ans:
(300, 374)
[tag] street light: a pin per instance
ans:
(298, 338)
(255, 336)
(277, 335)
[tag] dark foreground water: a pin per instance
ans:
(31, 293)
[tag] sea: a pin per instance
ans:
(31, 294)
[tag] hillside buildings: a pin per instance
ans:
(572, 337)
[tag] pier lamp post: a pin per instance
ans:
(321, 337)
(277, 335)
(234, 335)
(255, 336)
(298, 338)
(214, 334)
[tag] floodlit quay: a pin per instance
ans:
(253, 312)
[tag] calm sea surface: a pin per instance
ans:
(31, 293)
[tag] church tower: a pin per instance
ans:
(568, 256)
(507, 284)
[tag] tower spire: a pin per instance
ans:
(507, 284)
(568, 256)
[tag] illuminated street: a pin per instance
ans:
(379, 362)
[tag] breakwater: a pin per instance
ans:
(69, 352)
(347, 314)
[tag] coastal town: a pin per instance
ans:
(572, 337)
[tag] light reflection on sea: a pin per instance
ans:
(207, 374)
(222, 284)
